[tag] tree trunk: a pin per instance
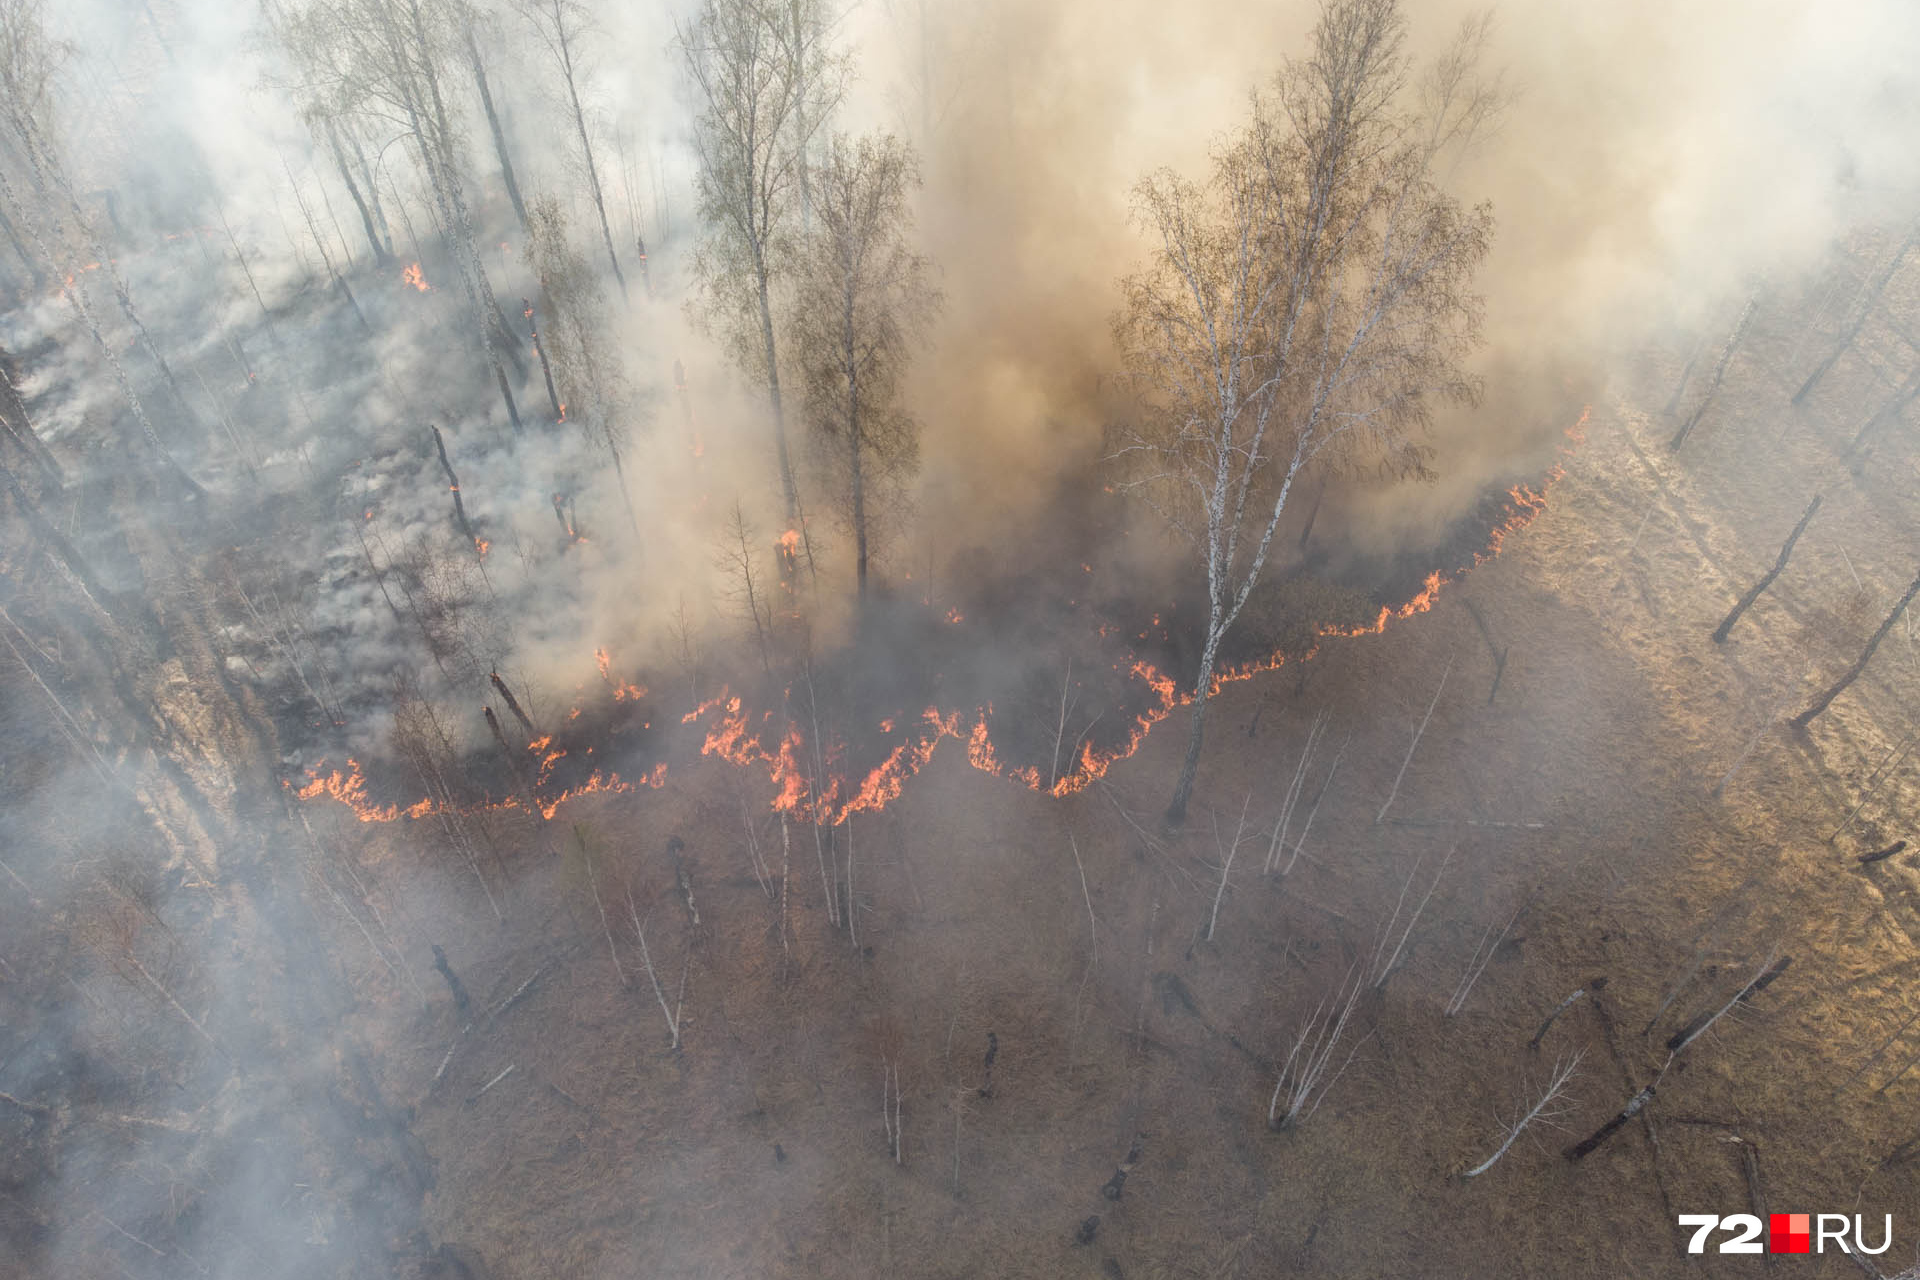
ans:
(859, 484)
(620, 478)
(1866, 307)
(1721, 632)
(493, 124)
(33, 268)
(443, 171)
(787, 487)
(800, 120)
(546, 370)
(1889, 410)
(593, 173)
(1821, 703)
(373, 193)
(380, 254)
(1719, 373)
(57, 542)
(1183, 788)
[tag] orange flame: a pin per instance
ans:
(731, 738)
(790, 764)
(622, 691)
(413, 276)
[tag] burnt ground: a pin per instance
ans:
(1583, 797)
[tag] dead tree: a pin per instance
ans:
(1226, 864)
(583, 359)
(453, 486)
(386, 60)
(1499, 652)
(513, 757)
(672, 1014)
(513, 703)
(1686, 372)
(583, 839)
(1839, 687)
(1419, 732)
(1308, 1072)
(80, 299)
(736, 559)
(1719, 372)
(1889, 411)
(546, 366)
(1118, 1182)
(461, 1003)
(1598, 984)
(1588, 1145)
(1721, 632)
(1551, 1105)
(1862, 309)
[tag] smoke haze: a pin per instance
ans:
(1654, 170)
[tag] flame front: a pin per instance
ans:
(805, 785)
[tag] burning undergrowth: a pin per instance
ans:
(605, 742)
(1049, 685)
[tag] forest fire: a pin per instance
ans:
(622, 690)
(551, 769)
(374, 905)
(811, 781)
(833, 798)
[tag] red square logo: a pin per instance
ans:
(1790, 1233)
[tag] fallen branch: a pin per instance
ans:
(1551, 1106)
(639, 930)
(518, 995)
(1533, 1045)
(1415, 745)
(473, 1098)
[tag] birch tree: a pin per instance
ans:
(44, 205)
(863, 297)
(386, 61)
(1305, 305)
(593, 385)
(754, 80)
(562, 26)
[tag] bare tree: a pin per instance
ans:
(384, 61)
(863, 297)
(493, 117)
(563, 27)
(586, 365)
(1840, 686)
(1307, 303)
(46, 207)
(736, 559)
(1551, 1105)
(753, 80)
